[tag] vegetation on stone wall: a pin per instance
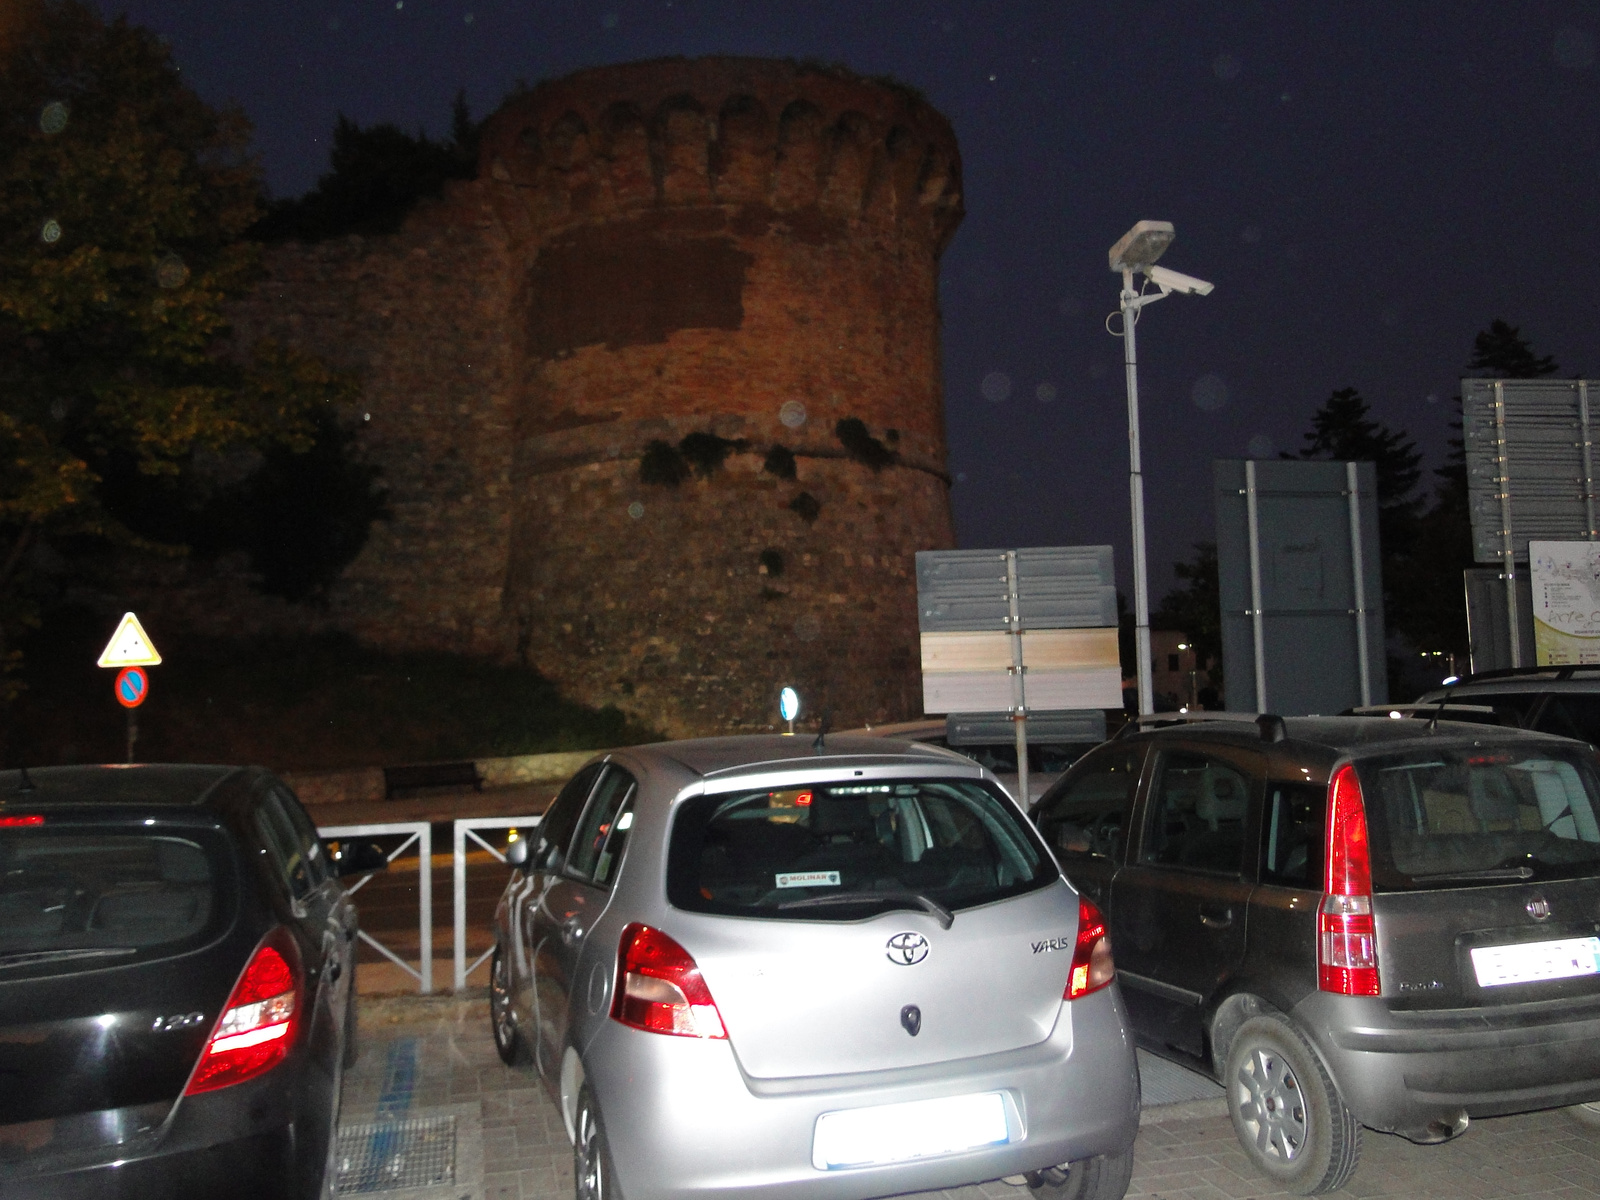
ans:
(376, 177)
(861, 445)
(662, 464)
(124, 199)
(780, 462)
(706, 452)
(807, 507)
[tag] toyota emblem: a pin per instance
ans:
(1539, 908)
(907, 949)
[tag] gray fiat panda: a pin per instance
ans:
(1349, 921)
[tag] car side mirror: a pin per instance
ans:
(357, 858)
(517, 854)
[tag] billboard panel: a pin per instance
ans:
(1300, 585)
(1530, 464)
(1566, 602)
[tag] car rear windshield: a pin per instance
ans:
(843, 851)
(73, 898)
(1482, 815)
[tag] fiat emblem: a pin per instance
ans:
(1539, 908)
(907, 949)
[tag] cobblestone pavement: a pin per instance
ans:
(420, 1057)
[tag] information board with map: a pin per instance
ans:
(1566, 602)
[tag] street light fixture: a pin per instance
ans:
(1136, 254)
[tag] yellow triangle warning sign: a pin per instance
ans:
(129, 646)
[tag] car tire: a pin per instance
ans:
(508, 1042)
(1104, 1177)
(1585, 1116)
(1286, 1111)
(592, 1175)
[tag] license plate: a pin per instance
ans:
(1535, 962)
(889, 1133)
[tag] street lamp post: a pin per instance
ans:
(1136, 253)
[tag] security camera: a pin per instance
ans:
(1174, 281)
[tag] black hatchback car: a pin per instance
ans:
(1349, 921)
(176, 985)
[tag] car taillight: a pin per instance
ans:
(1347, 943)
(1092, 967)
(22, 821)
(659, 988)
(256, 1029)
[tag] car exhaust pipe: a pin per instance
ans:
(1443, 1130)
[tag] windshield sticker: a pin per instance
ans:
(789, 879)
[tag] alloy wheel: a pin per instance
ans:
(500, 1003)
(590, 1172)
(1272, 1105)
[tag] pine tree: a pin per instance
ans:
(1343, 430)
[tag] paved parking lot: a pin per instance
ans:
(434, 1057)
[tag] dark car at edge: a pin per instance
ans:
(176, 985)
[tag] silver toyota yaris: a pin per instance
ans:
(829, 973)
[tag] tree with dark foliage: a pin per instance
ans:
(1343, 430)
(1431, 609)
(123, 201)
(1195, 609)
(377, 175)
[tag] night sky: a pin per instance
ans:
(1367, 184)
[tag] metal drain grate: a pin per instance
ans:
(1165, 1082)
(390, 1155)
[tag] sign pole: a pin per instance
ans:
(1019, 694)
(133, 731)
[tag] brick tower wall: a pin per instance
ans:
(652, 251)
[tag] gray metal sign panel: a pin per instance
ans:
(1489, 624)
(1058, 587)
(1044, 728)
(1530, 464)
(1300, 586)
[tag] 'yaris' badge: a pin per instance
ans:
(907, 949)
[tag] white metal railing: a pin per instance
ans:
(462, 829)
(420, 833)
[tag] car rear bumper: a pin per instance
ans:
(1416, 1073)
(685, 1123)
(251, 1168)
(242, 1142)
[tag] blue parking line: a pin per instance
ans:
(399, 1081)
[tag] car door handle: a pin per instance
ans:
(1213, 918)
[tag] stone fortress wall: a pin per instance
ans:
(737, 252)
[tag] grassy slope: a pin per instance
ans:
(299, 704)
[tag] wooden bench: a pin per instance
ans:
(425, 776)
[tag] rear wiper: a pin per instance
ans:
(945, 917)
(22, 958)
(1486, 873)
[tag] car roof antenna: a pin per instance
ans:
(1443, 700)
(25, 784)
(822, 732)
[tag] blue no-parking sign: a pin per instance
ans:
(133, 685)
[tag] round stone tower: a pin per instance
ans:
(728, 419)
